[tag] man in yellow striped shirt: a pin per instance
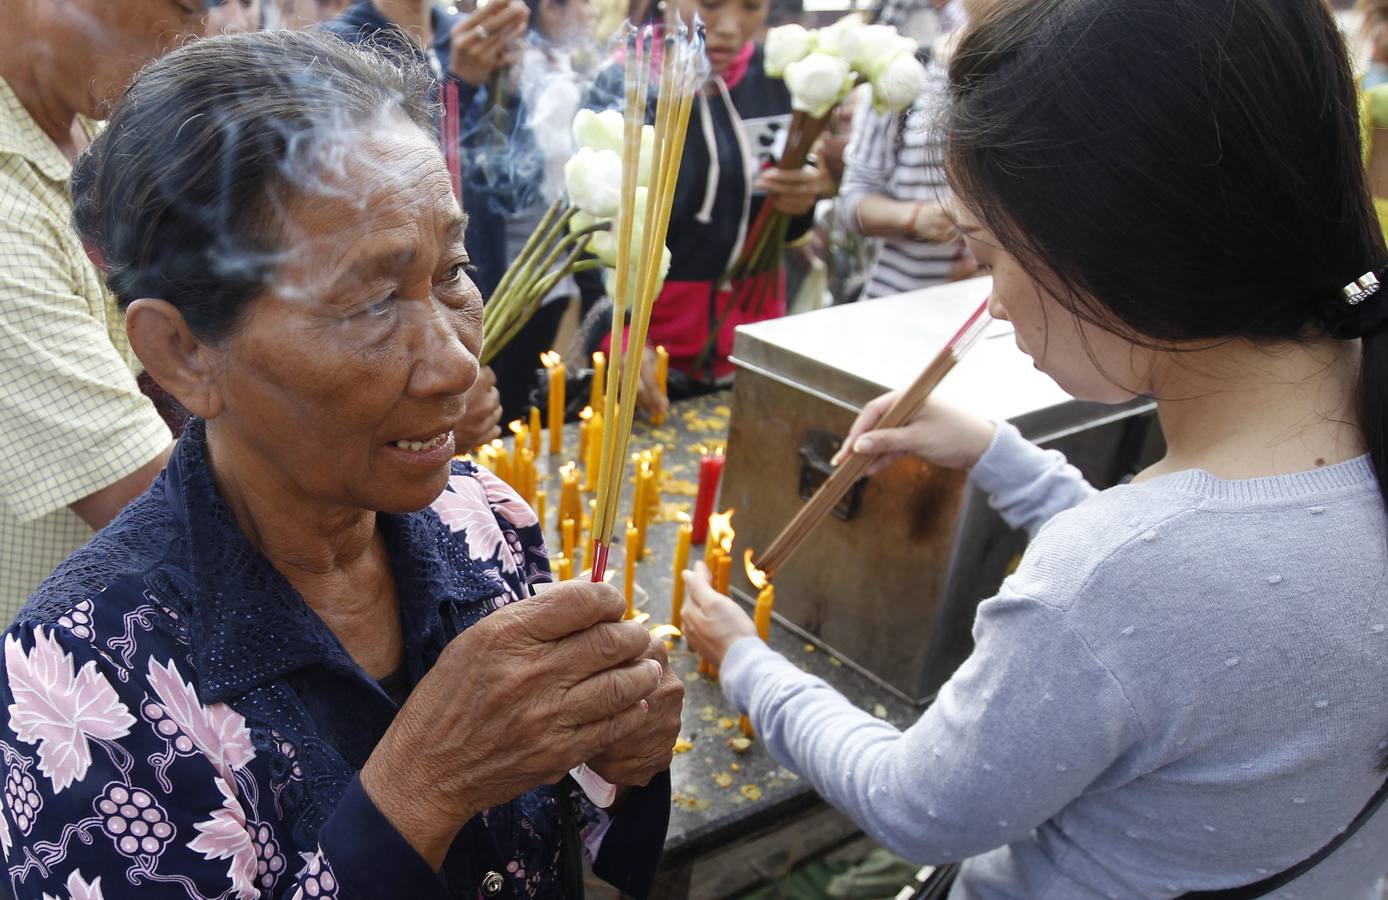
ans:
(77, 438)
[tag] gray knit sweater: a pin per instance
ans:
(1184, 686)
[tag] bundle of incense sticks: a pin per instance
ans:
(854, 465)
(638, 276)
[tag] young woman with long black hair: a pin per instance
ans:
(1182, 688)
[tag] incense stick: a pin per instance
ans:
(854, 465)
(636, 285)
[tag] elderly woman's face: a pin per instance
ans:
(348, 374)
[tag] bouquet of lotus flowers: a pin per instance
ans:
(820, 67)
(584, 221)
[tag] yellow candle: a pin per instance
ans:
(486, 456)
(535, 430)
(503, 461)
(657, 459)
(541, 501)
(570, 501)
(662, 379)
(585, 421)
(647, 484)
(597, 392)
(683, 538)
(568, 536)
(638, 503)
(566, 568)
(725, 572)
(554, 365)
(526, 475)
(630, 581)
(765, 600)
(593, 461)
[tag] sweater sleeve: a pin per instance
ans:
(1025, 725)
(1026, 484)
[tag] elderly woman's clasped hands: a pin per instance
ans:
(518, 700)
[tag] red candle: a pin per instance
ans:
(710, 473)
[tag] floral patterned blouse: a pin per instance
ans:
(181, 724)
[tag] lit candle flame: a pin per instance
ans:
(551, 360)
(516, 426)
(720, 527)
(683, 517)
(754, 575)
(587, 413)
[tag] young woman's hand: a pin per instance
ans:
(940, 434)
(793, 191)
(712, 622)
(649, 396)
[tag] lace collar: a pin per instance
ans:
(248, 625)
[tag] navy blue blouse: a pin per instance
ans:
(181, 723)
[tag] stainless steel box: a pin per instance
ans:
(890, 583)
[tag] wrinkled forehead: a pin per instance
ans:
(356, 191)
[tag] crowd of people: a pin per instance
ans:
(264, 637)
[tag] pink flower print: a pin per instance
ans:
(269, 862)
(167, 727)
(79, 888)
(133, 820)
(316, 879)
(79, 621)
(61, 711)
(22, 797)
(226, 836)
(465, 509)
(217, 730)
(504, 499)
(6, 839)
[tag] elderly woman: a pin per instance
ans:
(296, 667)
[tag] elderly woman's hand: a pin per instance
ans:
(647, 753)
(514, 702)
(487, 40)
(482, 421)
(712, 622)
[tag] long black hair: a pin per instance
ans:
(1180, 170)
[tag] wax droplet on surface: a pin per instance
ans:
(1126, 632)
(1322, 704)
(1232, 661)
(1274, 579)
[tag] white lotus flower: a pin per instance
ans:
(785, 45)
(643, 168)
(609, 279)
(899, 84)
(841, 38)
(594, 181)
(818, 82)
(582, 220)
(603, 244)
(599, 131)
(877, 46)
